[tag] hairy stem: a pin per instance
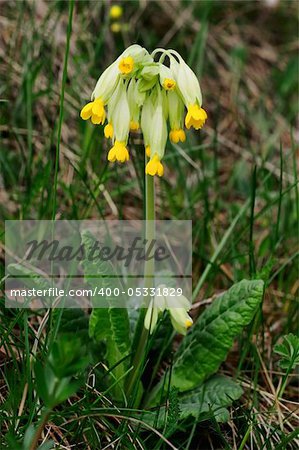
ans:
(149, 270)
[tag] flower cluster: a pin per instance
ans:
(137, 92)
(177, 307)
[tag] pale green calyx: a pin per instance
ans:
(176, 111)
(120, 116)
(158, 128)
(106, 83)
(187, 83)
(178, 308)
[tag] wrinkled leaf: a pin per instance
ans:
(206, 345)
(211, 399)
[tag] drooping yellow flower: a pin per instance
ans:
(177, 136)
(148, 151)
(126, 65)
(169, 84)
(154, 128)
(95, 111)
(187, 81)
(166, 76)
(118, 152)
(154, 167)
(108, 130)
(195, 117)
(116, 12)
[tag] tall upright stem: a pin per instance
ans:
(149, 266)
(149, 270)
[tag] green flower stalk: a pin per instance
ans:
(136, 92)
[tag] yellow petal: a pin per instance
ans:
(169, 84)
(86, 111)
(96, 119)
(112, 155)
(148, 151)
(108, 131)
(98, 108)
(160, 170)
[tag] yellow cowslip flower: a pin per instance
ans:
(115, 27)
(188, 86)
(126, 65)
(118, 152)
(177, 307)
(135, 100)
(167, 78)
(108, 130)
(176, 114)
(196, 117)
(154, 166)
(136, 92)
(177, 136)
(169, 84)
(115, 12)
(120, 118)
(187, 81)
(154, 128)
(95, 111)
(180, 319)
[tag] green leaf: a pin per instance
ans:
(289, 351)
(206, 345)
(44, 380)
(213, 396)
(211, 399)
(68, 355)
(67, 388)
